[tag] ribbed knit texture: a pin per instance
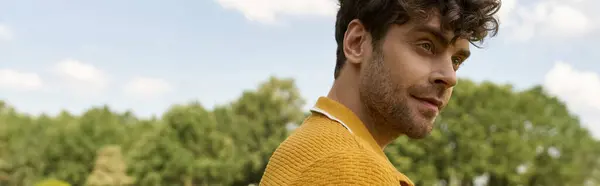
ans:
(322, 152)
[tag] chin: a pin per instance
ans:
(418, 134)
(419, 129)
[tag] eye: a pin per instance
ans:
(456, 62)
(428, 46)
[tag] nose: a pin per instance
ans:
(444, 75)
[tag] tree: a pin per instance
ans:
(190, 149)
(76, 142)
(110, 169)
(261, 121)
(565, 151)
(22, 143)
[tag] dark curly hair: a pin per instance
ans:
(469, 19)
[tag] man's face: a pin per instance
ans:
(409, 76)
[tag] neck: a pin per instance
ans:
(345, 90)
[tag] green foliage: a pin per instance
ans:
(52, 182)
(487, 131)
(110, 169)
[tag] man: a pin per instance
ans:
(396, 67)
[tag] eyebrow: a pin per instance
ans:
(441, 37)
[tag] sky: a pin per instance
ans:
(146, 55)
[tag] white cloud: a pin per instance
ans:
(17, 80)
(505, 12)
(564, 20)
(580, 90)
(6, 33)
(267, 11)
(81, 76)
(147, 88)
(546, 18)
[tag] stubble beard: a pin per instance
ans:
(382, 100)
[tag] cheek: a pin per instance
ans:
(448, 95)
(406, 65)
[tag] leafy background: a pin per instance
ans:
(489, 134)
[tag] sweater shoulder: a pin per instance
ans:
(351, 166)
(315, 139)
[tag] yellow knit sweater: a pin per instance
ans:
(331, 147)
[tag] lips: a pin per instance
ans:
(433, 101)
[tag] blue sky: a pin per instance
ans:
(147, 55)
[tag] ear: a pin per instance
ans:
(356, 42)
